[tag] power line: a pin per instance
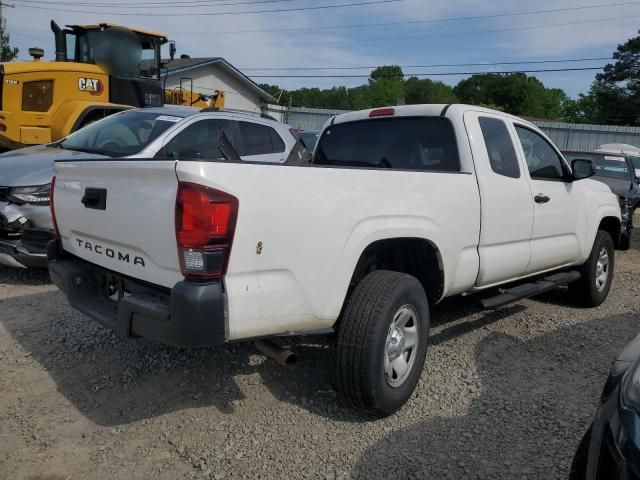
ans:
(218, 14)
(436, 74)
(441, 34)
(435, 65)
(417, 22)
(216, 3)
(30, 37)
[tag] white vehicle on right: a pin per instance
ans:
(400, 208)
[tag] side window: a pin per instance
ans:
(502, 155)
(277, 142)
(259, 139)
(198, 140)
(70, 40)
(542, 160)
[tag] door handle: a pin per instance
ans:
(541, 198)
(95, 198)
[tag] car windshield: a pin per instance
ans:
(399, 143)
(636, 162)
(610, 166)
(613, 167)
(122, 134)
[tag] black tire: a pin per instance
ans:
(625, 242)
(585, 290)
(365, 326)
(579, 463)
(625, 238)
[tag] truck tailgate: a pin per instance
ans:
(120, 215)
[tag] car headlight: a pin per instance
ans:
(39, 194)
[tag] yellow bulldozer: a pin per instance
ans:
(98, 70)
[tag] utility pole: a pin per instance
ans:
(2, 4)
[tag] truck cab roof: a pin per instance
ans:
(425, 110)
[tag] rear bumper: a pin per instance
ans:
(187, 315)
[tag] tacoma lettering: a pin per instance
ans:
(111, 253)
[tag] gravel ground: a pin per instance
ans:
(505, 394)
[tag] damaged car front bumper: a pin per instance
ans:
(18, 255)
(25, 231)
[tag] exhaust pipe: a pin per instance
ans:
(61, 42)
(282, 356)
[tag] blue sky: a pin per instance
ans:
(267, 42)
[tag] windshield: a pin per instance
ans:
(636, 162)
(610, 166)
(124, 52)
(401, 143)
(122, 134)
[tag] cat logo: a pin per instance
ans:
(91, 85)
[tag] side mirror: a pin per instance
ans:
(172, 49)
(582, 169)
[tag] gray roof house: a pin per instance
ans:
(210, 74)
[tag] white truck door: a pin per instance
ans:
(507, 202)
(560, 216)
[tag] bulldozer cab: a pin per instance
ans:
(124, 52)
(130, 56)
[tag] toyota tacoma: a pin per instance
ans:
(399, 208)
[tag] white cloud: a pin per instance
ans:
(204, 37)
(200, 35)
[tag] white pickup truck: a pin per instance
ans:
(400, 208)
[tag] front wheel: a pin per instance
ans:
(597, 273)
(382, 342)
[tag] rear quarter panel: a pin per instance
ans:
(301, 231)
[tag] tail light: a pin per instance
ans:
(52, 207)
(382, 112)
(205, 224)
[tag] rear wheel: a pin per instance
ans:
(597, 273)
(382, 342)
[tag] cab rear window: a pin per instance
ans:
(399, 143)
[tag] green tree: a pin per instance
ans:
(390, 72)
(616, 91)
(7, 52)
(419, 91)
(275, 91)
(583, 109)
(514, 93)
(386, 86)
